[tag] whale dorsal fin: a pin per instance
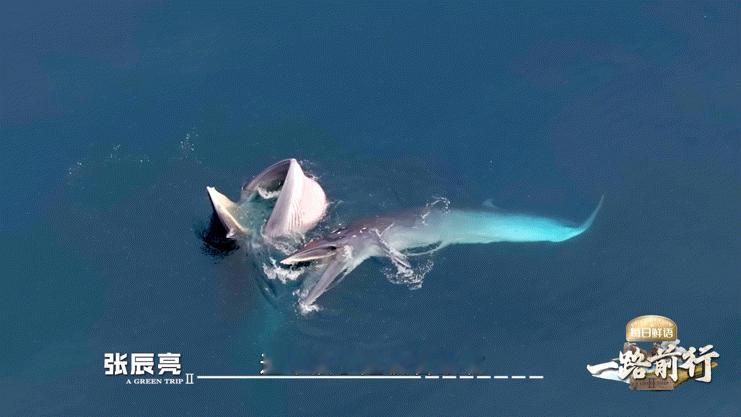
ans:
(396, 257)
(489, 204)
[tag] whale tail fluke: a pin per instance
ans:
(567, 231)
(577, 230)
(588, 222)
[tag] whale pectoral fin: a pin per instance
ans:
(228, 213)
(396, 257)
(322, 280)
(311, 254)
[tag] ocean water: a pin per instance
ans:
(115, 117)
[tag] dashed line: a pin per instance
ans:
(257, 377)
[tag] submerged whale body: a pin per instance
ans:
(400, 236)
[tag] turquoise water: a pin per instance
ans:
(114, 119)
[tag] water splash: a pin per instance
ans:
(274, 271)
(303, 308)
(412, 275)
(187, 147)
(268, 195)
(437, 203)
(404, 271)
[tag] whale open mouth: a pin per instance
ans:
(300, 203)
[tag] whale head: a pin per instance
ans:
(295, 203)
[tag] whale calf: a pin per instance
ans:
(416, 232)
(300, 203)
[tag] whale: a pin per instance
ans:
(415, 232)
(281, 202)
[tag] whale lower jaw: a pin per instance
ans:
(228, 213)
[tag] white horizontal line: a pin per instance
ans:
(449, 377)
(466, 376)
(518, 376)
(432, 376)
(483, 376)
(500, 377)
(309, 377)
(536, 377)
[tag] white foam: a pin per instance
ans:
(268, 195)
(439, 203)
(303, 308)
(274, 271)
(412, 276)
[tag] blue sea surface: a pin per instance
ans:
(115, 116)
